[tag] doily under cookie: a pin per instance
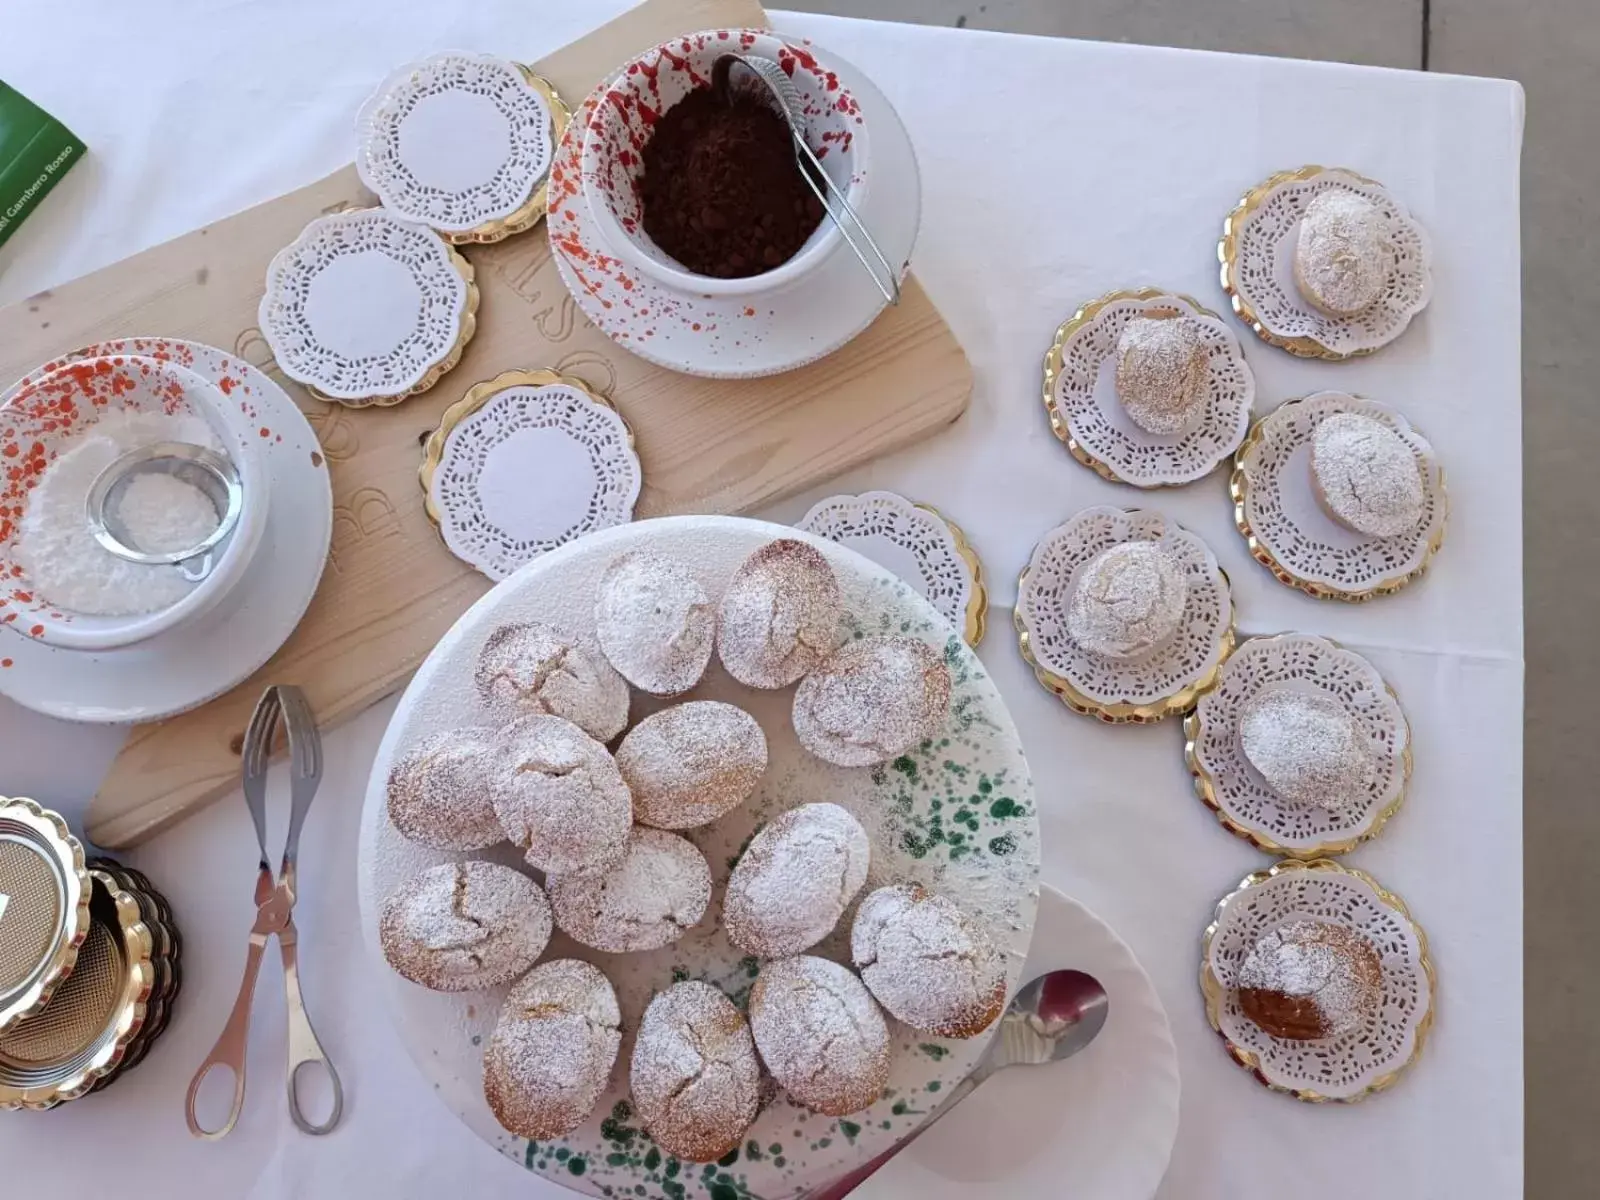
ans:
(1257, 256)
(1276, 509)
(1161, 684)
(1354, 1065)
(1235, 791)
(1081, 398)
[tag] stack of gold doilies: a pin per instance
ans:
(89, 963)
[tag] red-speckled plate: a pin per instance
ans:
(184, 668)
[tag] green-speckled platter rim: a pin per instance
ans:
(958, 814)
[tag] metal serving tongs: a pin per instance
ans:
(790, 108)
(274, 912)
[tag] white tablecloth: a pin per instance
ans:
(1053, 171)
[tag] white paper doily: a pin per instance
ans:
(1353, 1065)
(916, 542)
(1230, 786)
(458, 141)
(1080, 393)
(364, 308)
(1257, 252)
(1276, 509)
(1164, 682)
(525, 463)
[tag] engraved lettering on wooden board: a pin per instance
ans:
(330, 422)
(593, 368)
(367, 515)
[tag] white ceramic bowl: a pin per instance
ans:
(38, 423)
(664, 75)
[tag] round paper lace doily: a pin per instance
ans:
(1080, 394)
(461, 142)
(1356, 1064)
(524, 463)
(1276, 509)
(1164, 682)
(1235, 791)
(364, 308)
(915, 541)
(1257, 253)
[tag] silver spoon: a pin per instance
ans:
(1052, 1017)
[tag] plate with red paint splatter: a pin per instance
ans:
(183, 668)
(48, 432)
(751, 335)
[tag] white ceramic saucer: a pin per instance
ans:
(739, 337)
(1106, 1119)
(183, 668)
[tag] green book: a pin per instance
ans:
(36, 150)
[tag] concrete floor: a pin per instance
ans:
(1553, 48)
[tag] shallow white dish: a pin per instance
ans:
(183, 668)
(740, 337)
(1106, 1120)
(971, 785)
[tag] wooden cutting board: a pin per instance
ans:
(391, 589)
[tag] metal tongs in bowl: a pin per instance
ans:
(274, 913)
(788, 105)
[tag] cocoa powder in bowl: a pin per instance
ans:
(721, 191)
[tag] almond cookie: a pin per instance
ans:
(694, 1077)
(552, 1049)
(658, 891)
(559, 797)
(439, 791)
(873, 700)
(820, 1034)
(690, 764)
(927, 962)
(794, 881)
(780, 615)
(461, 927)
(534, 669)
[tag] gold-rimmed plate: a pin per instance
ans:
(357, 309)
(1352, 1066)
(1257, 235)
(1165, 683)
(1242, 802)
(85, 1031)
(1087, 418)
(44, 907)
(463, 143)
(1276, 512)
